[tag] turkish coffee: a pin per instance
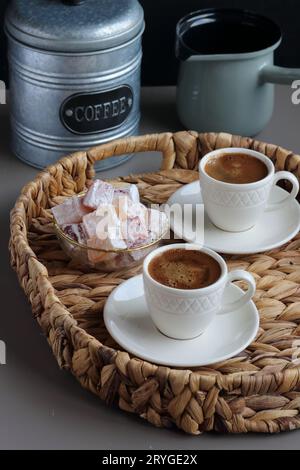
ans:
(236, 168)
(184, 269)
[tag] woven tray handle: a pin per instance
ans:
(184, 149)
(147, 143)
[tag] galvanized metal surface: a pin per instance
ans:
(105, 83)
(57, 25)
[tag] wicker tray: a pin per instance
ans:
(258, 391)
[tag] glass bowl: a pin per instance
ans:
(109, 260)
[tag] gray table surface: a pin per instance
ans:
(42, 407)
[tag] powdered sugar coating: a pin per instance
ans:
(99, 193)
(135, 231)
(71, 211)
(127, 209)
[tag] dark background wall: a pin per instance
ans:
(160, 66)
(3, 63)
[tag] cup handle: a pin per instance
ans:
(285, 175)
(239, 275)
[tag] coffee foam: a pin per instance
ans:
(236, 168)
(184, 269)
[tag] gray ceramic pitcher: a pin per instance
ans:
(227, 71)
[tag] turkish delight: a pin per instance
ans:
(99, 193)
(157, 223)
(126, 209)
(76, 232)
(90, 222)
(128, 190)
(137, 255)
(99, 222)
(134, 231)
(107, 244)
(71, 211)
(107, 220)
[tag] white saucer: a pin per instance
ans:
(273, 229)
(128, 322)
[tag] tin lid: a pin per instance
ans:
(74, 25)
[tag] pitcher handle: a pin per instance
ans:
(279, 75)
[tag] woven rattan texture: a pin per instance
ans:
(258, 391)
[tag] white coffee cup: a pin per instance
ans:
(238, 207)
(186, 313)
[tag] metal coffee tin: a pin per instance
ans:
(74, 75)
